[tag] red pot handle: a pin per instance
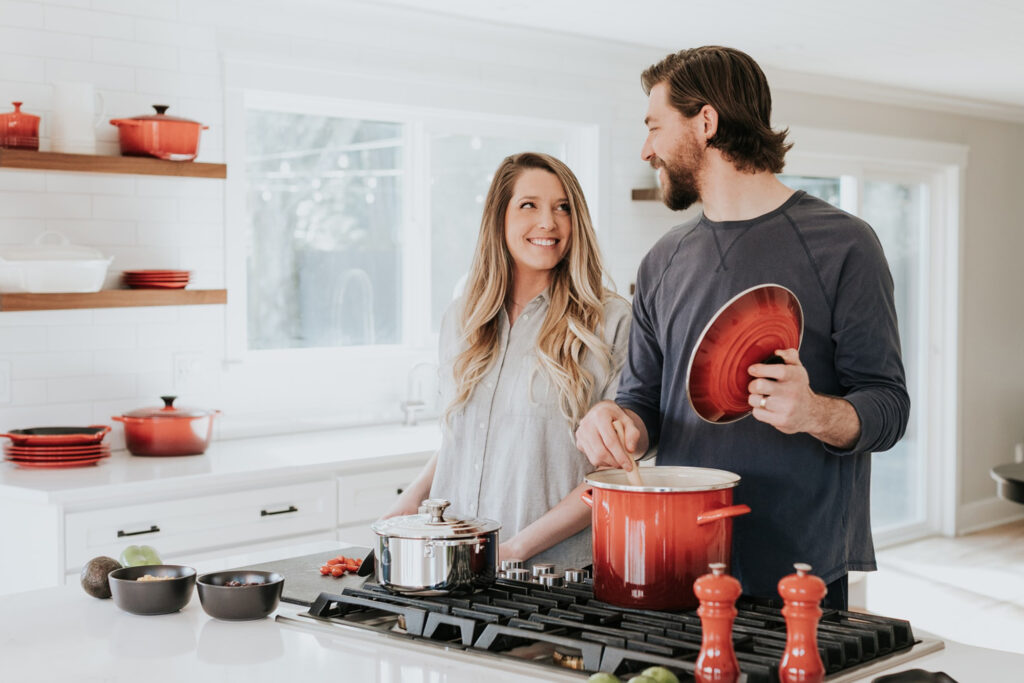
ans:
(722, 513)
(588, 497)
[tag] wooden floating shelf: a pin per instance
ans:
(112, 298)
(646, 194)
(95, 163)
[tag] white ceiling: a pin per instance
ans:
(965, 49)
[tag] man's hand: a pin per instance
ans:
(781, 396)
(596, 437)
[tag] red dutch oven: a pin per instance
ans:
(168, 430)
(651, 542)
(159, 135)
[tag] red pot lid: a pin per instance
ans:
(168, 411)
(666, 479)
(160, 116)
(748, 329)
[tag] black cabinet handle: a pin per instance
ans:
(399, 491)
(268, 513)
(151, 530)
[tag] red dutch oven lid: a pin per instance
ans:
(160, 115)
(666, 479)
(169, 412)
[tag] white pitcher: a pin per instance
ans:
(77, 110)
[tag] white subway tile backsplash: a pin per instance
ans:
(47, 365)
(18, 13)
(91, 183)
(69, 389)
(179, 234)
(198, 209)
(22, 181)
(199, 62)
(152, 384)
(106, 76)
(164, 335)
(155, 186)
(155, 9)
(20, 230)
(81, 22)
(92, 338)
(130, 361)
(95, 233)
(51, 415)
(136, 315)
(44, 205)
(175, 33)
(21, 68)
(82, 316)
(25, 392)
(134, 53)
(22, 41)
(135, 258)
(135, 208)
(22, 339)
(169, 82)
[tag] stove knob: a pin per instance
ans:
(518, 574)
(511, 564)
(539, 569)
(573, 575)
(549, 580)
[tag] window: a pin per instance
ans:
(911, 204)
(361, 227)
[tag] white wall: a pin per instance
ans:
(84, 366)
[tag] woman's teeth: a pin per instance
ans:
(542, 242)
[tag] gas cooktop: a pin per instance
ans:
(565, 627)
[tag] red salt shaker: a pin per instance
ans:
(802, 593)
(717, 593)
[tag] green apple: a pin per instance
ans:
(660, 674)
(644, 679)
(137, 555)
(603, 678)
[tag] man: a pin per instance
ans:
(805, 455)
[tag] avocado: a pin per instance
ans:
(94, 576)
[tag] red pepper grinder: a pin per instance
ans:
(802, 593)
(717, 593)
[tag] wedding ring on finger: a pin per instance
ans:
(764, 401)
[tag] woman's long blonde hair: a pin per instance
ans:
(575, 317)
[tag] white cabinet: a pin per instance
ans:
(188, 525)
(365, 496)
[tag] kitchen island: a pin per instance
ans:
(62, 634)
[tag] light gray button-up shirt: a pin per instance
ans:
(508, 453)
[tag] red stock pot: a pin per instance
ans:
(168, 430)
(651, 542)
(159, 135)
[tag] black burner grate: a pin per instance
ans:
(545, 625)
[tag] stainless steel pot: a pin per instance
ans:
(425, 554)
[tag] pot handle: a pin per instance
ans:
(722, 513)
(124, 122)
(588, 497)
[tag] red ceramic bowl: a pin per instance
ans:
(748, 329)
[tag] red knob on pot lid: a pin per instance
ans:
(431, 524)
(717, 586)
(802, 586)
(168, 411)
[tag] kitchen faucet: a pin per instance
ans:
(415, 401)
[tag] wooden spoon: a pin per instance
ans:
(632, 475)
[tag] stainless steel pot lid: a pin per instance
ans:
(432, 524)
(666, 479)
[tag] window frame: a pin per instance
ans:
(854, 158)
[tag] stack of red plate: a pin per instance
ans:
(57, 447)
(156, 279)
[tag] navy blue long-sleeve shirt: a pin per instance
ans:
(810, 502)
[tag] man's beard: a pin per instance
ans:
(681, 191)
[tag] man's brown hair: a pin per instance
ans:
(732, 83)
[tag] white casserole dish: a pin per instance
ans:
(52, 264)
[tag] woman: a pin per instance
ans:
(534, 341)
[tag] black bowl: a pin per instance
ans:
(239, 603)
(152, 597)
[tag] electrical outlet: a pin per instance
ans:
(5, 381)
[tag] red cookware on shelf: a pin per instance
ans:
(651, 542)
(19, 130)
(159, 135)
(168, 430)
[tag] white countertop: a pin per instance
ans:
(62, 634)
(231, 462)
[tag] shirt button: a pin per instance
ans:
(526, 316)
(483, 425)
